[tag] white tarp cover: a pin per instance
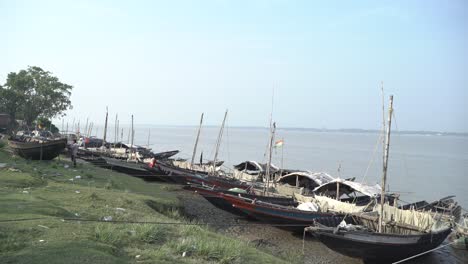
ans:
(369, 190)
(259, 166)
(424, 221)
(319, 178)
(309, 206)
(195, 167)
(327, 204)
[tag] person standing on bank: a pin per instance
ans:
(74, 151)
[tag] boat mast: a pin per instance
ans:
(149, 135)
(128, 135)
(105, 128)
(383, 123)
(385, 163)
(121, 138)
(270, 152)
(131, 145)
(196, 141)
(86, 127)
(115, 129)
(218, 142)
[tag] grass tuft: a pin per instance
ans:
(49, 190)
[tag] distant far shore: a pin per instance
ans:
(341, 130)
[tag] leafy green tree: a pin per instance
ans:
(34, 93)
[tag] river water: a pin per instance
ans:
(421, 167)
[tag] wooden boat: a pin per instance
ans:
(396, 243)
(459, 237)
(388, 233)
(164, 155)
(184, 176)
(37, 149)
(131, 168)
(286, 217)
(213, 195)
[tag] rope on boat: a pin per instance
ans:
(420, 254)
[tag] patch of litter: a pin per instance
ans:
(75, 170)
(120, 209)
(71, 179)
(43, 226)
(25, 192)
(77, 192)
(107, 218)
(184, 253)
(66, 166)
(14, 170)
(3, 165)
(137, 256)
(42, 240)
(77, 214)
(78, 177)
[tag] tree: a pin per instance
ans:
(34, 93)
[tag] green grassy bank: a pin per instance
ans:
(50, 191)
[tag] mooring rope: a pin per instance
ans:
(148, 222)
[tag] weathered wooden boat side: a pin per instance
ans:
(165, 155)
(214, 197)
(379, 247)
(131, 168)
(197, 177)
(283, 215)
(38, 150)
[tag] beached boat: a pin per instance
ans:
(286, 217)
(213, 195)
(459, 237)
(252, 171)
(37, 148)
(388, 233)
(406, 233)
(184, 176)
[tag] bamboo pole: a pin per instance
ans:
(218, 142)
(270, 152)
(196, 141)
(385, 164)
(149, 135)
(105, 127)
(131, 145)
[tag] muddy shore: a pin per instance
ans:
(273, 240)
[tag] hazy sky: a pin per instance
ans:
(168, 61)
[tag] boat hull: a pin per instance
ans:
(38, 151)
(380, 248)
(184, 176)
(133, 169)
(214, 197)
(291, 219)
